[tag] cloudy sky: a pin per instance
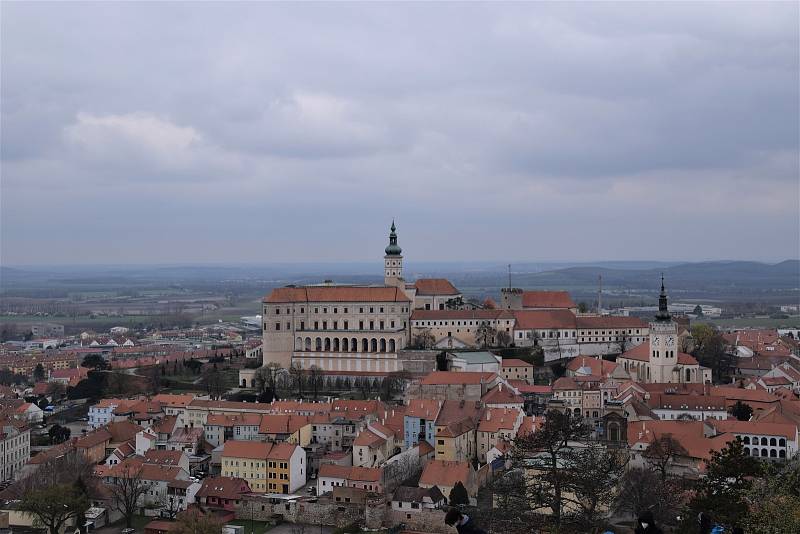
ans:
(197, 132)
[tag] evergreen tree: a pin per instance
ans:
(459, 495)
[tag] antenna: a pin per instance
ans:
(600, 294)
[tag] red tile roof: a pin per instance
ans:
(515, 362)
(544, 319)
(365, 474)
(609, 321)
(435, 286)
(547, 299)
(336, 294)
(734, 426)
(225, 487)
(460, 315)
(453, 378)
(642, 353)
(334, 471)
(445, 474)
(596, 366)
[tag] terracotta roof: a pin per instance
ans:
(515, 362)
(122, 430)
(547, 299)
(170, 399)
(544, 319)
(425, 448)
(609, 321)
(531, 388)
(166, 425)
(282, 451)
(423, 408)
(460, 315)
(642, 353)
(734, 426)
(159, 525)
(93, 438)
(225, 487)
(336, 294)
(453, 411)
(162, 457)
(435, 286)
(246, 449)
(733, 393)
(501, 395)
(367, 438)
(686, 402)
(445, 474)
(454, 377)
(596, 366)
(334, 471)
(365, 474)
(496, 419)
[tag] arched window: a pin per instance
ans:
(364, 345)
(613, 432)
(327, 344)
(354, 345)
(755, 450)
(773, 442)
(308, 343)
(782, 442)
(773, 453)
(763, 441)
(577, 411)
(688, 375)
(298, 344)
(336, 344)
(383, 345)
(746, 440)
(392, 346)
(747, 451)
(373, 345)
(595, 414)
(764, 453)
(782, 453)
(318, 344)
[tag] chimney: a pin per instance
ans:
(488, 415)
(500, 386)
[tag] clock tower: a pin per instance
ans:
(393, 261)
(663, 343)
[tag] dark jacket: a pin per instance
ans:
(651, 529)
(470, 528)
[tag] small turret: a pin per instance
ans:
(663, 313)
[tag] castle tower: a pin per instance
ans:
(663, 343)
(393, 262)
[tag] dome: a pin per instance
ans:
(393, 249)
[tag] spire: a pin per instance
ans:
(393, 249)
(663, 312)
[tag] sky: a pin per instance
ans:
(255, 132)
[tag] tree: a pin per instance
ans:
(95, 361)
(38, 373)
(298, 379)
(153, 376)
(698, 311)
(544, 452)
(198, 523)
(58, 434)
(661, 454)
(423, 339)
(459, 495)
(53, 506)
(582, 307)
(213, 383)
(723, 491)
(774, 502)
(315, 378)
(710, 351)
(126, 491)
(643, 490)
(741, 411)
(503, 338)
(266, 377)
(485, 335)
(595, 474)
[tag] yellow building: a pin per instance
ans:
(267, 467)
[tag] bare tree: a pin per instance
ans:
(266, 377)
(315, 378)
(423, 339)
(126, 491)
(661, 454)
(643, 490)
(298, 378)
(503, 338)
(485, 335)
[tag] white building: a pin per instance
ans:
(15, 448)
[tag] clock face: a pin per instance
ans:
(670, 341)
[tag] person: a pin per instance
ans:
(463, 523)
(646, 524)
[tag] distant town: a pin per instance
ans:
(385, 406)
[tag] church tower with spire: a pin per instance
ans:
(393, 261)
(663, 343)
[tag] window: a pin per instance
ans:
(277, 326)
(346, 325)
(336, 310)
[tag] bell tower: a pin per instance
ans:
(663, 343)
(393, 261)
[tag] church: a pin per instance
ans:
(660, 360)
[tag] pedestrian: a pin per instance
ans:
(463, 523)
(646, 524)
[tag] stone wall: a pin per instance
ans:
(421, 521)
(322, 512)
